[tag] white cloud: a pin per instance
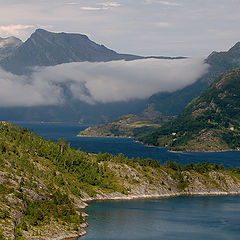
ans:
(21, 91)
(166, 3)
(99, 82)
(174, 4)
(163, 24)
(91, 8)
(110, 4)
(14, 30)
(103, 6)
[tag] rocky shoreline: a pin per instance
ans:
(152, 196)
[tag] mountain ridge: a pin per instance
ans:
(44, 48)
(211, 122)
(170, 104)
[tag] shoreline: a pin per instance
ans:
(152, 196)
(152, 146)
(167, 195)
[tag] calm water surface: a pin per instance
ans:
(182, 218)
(126, 146)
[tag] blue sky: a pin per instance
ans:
(144, 27)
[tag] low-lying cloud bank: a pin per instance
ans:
(98, 82)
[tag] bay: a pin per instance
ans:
(127, 146)
(181, 218)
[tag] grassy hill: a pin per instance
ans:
(44, 185)
(210, 122)
(125, 126)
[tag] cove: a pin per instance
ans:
(179, 218)
(128, 147)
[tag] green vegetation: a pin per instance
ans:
(125, 126)
(170, 104)
(43, 184)
(210, 122)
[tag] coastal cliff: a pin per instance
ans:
(44, 185)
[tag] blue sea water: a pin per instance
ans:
(181, 218)
(127, 146)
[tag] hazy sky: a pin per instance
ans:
(144, 27)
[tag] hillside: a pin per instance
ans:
(170, 104)
(44, 185)
(210, 122)
(125, 126)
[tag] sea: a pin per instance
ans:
(176, 218)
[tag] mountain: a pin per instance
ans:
(8, 46)
(170, 104)
(44, 185)
(45, 48)
(211, 122)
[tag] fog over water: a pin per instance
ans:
(102, 82)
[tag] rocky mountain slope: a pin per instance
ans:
(45, 48)
(8, 46)
(43, 185)
(170, 104)
(210, 122)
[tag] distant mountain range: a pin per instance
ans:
(211, 122)
(45, 48)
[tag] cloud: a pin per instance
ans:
(99, 82)
(163, 24)
(103, 6)
(91, 8)
(21, 91)
(14, 30)
(110, 4)
(166, 3)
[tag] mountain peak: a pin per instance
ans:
(43, 32)
(10, 41)
(8, 46)
(235, 48)
(45, 48)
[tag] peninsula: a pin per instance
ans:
(211, 122)
(45, 185)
